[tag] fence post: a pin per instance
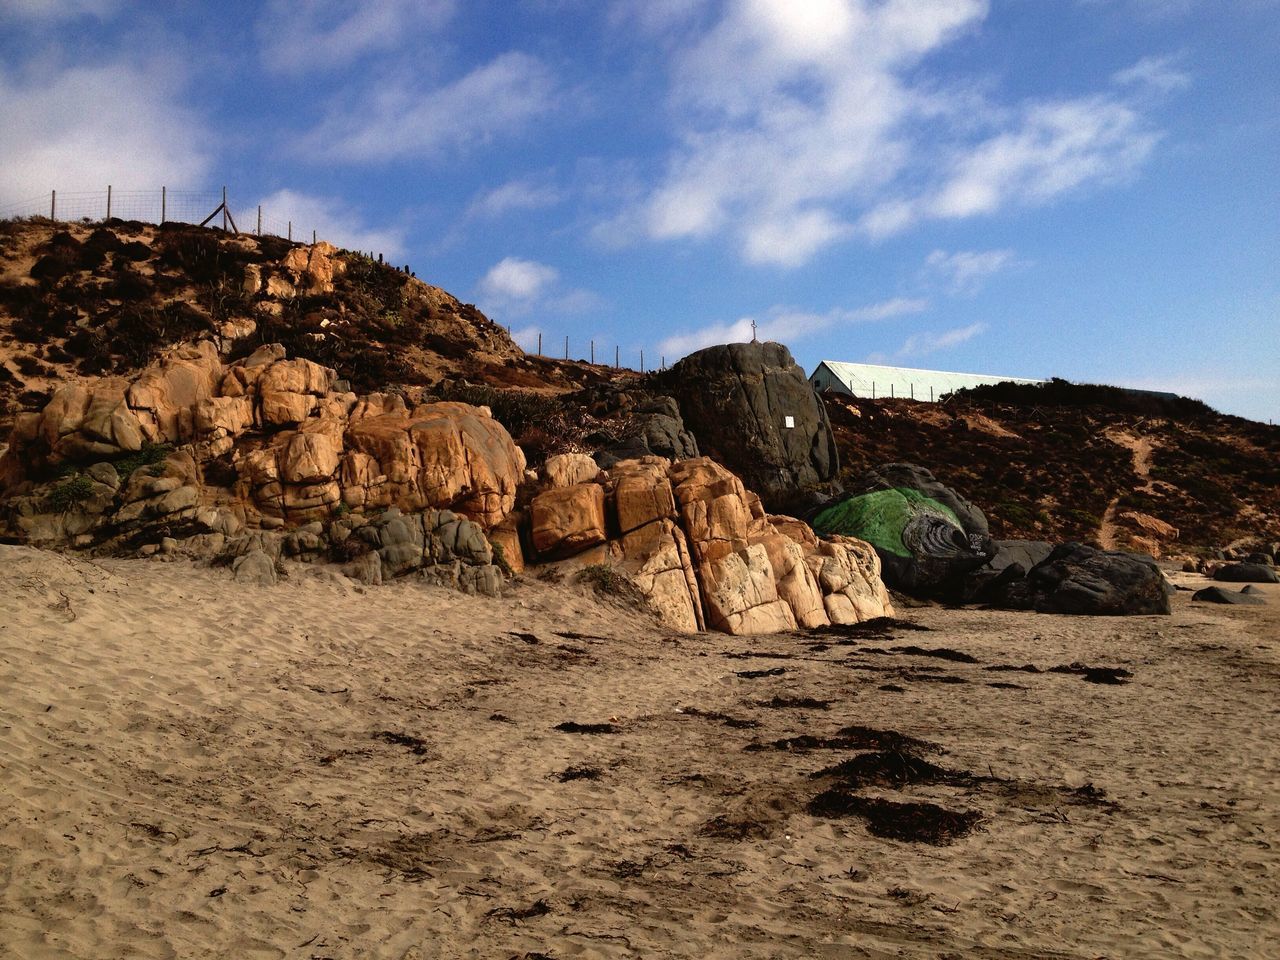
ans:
(108, 201)
(912, 387)
(642, 361)
(566, 348)
(224, 209)
(53, 205)
(291, 231)
(164, 203)
(873, 389)
(539, 344)
(615, 357)
(931, 393)
(313, 238)
(891, 396)
(663, 364)
(259, 219)
(593, 351)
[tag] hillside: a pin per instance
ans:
(79, 301)
(1087, 464)
(82, 301)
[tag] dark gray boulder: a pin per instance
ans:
(752, 409)
(658, 430)
(1080, 579)
(1012, 560)
(1247, 573)
(928, 536)
(1218, 595)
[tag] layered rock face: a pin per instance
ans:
(301, 448)
(704, 551)
(751, 408)
(270, 457)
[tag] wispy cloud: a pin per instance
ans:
(399, 120)
(1055, 148)
(965, 271)
(923, 344)
(49, 11)
(333, 220)
(514, 287)
(514, 196)
(312, 36)
(786, 324)
(85, 127)
(801, 125)
(1155, 73)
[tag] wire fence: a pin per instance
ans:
(163, 205)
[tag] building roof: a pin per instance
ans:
(862, 379)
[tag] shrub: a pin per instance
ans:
(151, 454)
(607, 580)
(71, 491)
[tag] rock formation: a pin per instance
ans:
(751, 408)
(269, 458)
(704, 551)
(927, 535)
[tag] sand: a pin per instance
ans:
(191, 768)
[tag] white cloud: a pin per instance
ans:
(802, 124)
(331, 219)
(1055, 148)
(84, 128)
(785, 325)
(307, 36)
(923, 344)
(516, 287)
(1155, 73)
(518, 280)
(965, 271)
(513, 196)
(54, 10)
(393, 121)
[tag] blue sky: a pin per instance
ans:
(1079, 188)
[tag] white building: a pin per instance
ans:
(874, 381)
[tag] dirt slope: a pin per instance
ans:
(1094, 472)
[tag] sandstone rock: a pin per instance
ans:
(848, 571)
(505, 537)
(444, 455)
(568, 520)
(640, 493)
(713, 507)
(255, 567)
(313, 454)
(252, 281)
(164, 398)
(741, 596)
(656, 558)
(795, 581)
(567, 469)
(280, 288)
(1150, 525)
(366, 568)
(105, 474)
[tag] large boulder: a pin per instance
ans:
(1012, 560)
(1246, 573)
(441, 455)
(568, 520)
(752, 409)
(927, 535)
(1080, 579)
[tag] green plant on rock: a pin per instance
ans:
(500, 560)
(608, 580)
(72, 491)
(151, 455)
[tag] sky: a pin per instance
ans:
(1087, 189)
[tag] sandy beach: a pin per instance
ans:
(195, 768)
